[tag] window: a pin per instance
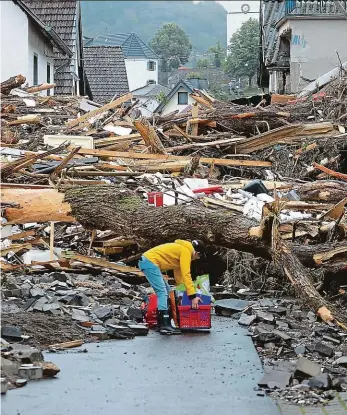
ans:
(48, 77)
(151, 65)
(36, 70)
(183, 98)
(151, 82)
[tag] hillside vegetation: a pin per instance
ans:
(204, 22)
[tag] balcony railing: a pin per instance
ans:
(313, 7)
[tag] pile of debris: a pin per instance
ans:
(304, 360)
(86, 189)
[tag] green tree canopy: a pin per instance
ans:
(243, 58)
(219, 54)
(172, 44)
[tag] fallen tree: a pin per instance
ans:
(107, 207)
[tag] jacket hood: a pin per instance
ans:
(186, 244)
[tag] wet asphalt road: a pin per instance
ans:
(192, 374)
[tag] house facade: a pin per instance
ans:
(140, 60)
(178, 99)
(300, 42)
(64, 16)
(149, 98)
(27, 45)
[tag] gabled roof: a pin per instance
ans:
(60, 15)
(151, 90)
(47, 30)
(132, 45)
(180, 84)
(105, 71)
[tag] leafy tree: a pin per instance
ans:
(195, 75)
(205, 28)
(161, 97)
(243, 58)
(203, 63)
(172, 44)
(219, 54)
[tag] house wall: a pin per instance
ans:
(172, 105)
(138, 74)
(147, 105)
(44, 50)
(313, 47)
(14, 40)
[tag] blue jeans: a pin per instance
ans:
(155, 278)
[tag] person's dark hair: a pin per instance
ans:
(198, 246)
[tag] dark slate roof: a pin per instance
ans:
(272, 13)
(132, 45)
(61, 15)
(151, 90)
(105, 71)
(180, 84)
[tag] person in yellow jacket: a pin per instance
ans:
(176, 256)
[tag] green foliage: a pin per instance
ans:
(204, 22)
(243, 59)
(203, 63)
(161, 98)
(172, 44)
(195, 75)
(219, 54)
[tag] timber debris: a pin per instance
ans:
(86, 189)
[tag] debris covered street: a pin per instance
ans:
(247, 194)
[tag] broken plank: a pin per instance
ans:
(109, 250)
(117, 102)
(117, 139)
(106, 264)
(21, 235)
(26, 119)
(132, 155)
(38, 88)
(325, 256)
(209, 201)
(119, 242)
(66, 345)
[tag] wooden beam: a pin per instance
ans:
(107, 107)
(206, 160)
(118, 139)
(106, 264)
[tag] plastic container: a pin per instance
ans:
(194, 319)
(256, 187)
(155, 199)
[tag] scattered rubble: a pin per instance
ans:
(87, 188)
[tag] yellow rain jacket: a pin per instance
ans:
(176, 256)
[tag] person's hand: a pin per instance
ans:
(195, 302)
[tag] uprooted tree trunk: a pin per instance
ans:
(323, 191)
(106, 207)
(9, 84)
(299, 277)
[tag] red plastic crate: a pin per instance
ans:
(194, 319)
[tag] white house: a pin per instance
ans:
(64, 16)
(27, 44)
(140, 60)
(178, 98)
(148, 97)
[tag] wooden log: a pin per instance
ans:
(26, 119)
(206, 160)
(150, 137)
(38, 88)
(323, 191)
(107, 264)
(330, 172)
(36, 205)
(129, 217)
(9, 84)
(116, 103)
